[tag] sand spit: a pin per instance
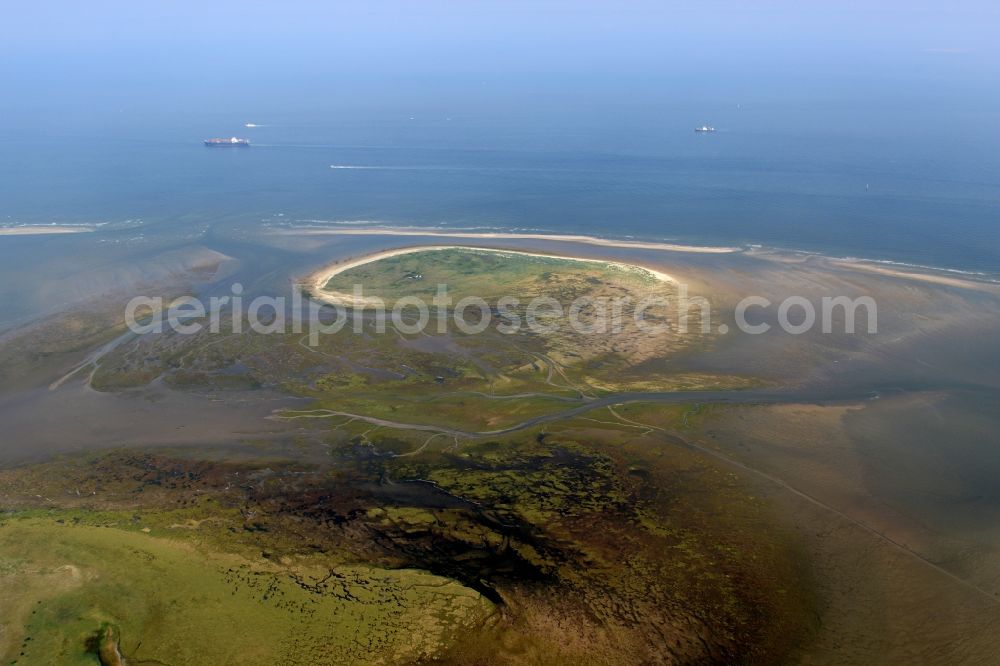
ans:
(932, 278)
(589, 240)
(315, 282)
(40, 230)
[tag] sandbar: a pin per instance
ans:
(38, 230)
(589, 240)
(932, 278)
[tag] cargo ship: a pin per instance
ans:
(231, 141)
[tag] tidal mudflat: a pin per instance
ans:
(503, 497)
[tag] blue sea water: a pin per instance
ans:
(922, 188)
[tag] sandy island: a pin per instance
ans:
(589, 240)
(917, 274)
(315, 282)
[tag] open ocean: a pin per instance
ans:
(921, 189)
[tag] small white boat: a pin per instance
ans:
(704, 128)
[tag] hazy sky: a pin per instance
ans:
(180, 52)
(457, 35)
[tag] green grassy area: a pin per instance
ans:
(174, 602)
(487, 274)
